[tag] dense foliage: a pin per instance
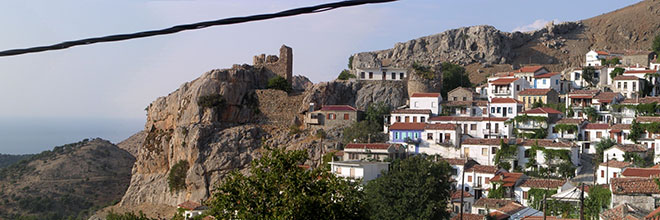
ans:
(656, 44)
(7, 159)
(176, 179)
(453, 76)
(637, 160)
(370, 129)
(504, 155)
(536, 195)
(414, 188)
(636, 131)
(211, 101)
(345, 75)
(617, 71)
(591, 113)
(277, 188)
(280, 83)
(376, 111)
(600, 149)
(613, 62)
(350, 62)
(589, 75)
(597, 201)
(423, 71)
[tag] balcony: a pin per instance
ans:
(530, 125)
(501, 92)
(444, 142)
(312, 119)
(492, 131)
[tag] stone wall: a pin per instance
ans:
(282, 65)
(277, 107)
(641, 201)
(460, 95)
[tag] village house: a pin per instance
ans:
(593, 57)
(616, 152)
(536, 183)
(548, 81)
(610, 169)
(603, 103)
(528, 73)
(652, 76)
(638, 58)
(478, 179)
(191, 209)
(525, 148)
(483, 205)
(545, 96)
(477, 127)
(505, 107)
(630, 86)
(406, 116)
(466, 108)
(483, 150)
(363, 171)
(623, 211)
(330, 116)
(530, 121)
(648, 139)
(458, 166)
(641, 191)
(599, 77)
(509, 181)
(627, 112)
(569, 129)
(373, 151)
(506, 87)
(641, 172)
(514, 211)
(594, 133)
(619, 133)
(578, 100)
(461, 94)
(408, 134)
(383, 72)
(442, 139)
(468, 200)
(426, 101)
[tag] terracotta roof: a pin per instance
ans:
(457, 194)
(503, 81)
(621, 212)
(590, 93)
(189, 205)
(408, 126)
(640, 172)
(483, 141)
(623, 77)
(644, 100)
(339, 153)
(337, 108)
(654, 214)
(503, 74)
(547, 75)
(571, 121)
(425, 95)
(459, 103)
(545, 143)
(530, 69)
(639, 71)
(595, 126)
(482, 169)
(535, 92)
(507, 179)
(461, 118)
(441, 127)
(600, 52)
(491, 203)
(467, 216)
(511, 208)
(542, 110)
(481, 103)
(542, 183)
(373, 146)
(411, 111)
(631, 148)
(504, 100)
(634, 185)
(607, 96)
(461, 88)
(616, 164)
(456, 161)
(620, 127)
(647, 119)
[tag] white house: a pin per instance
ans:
(191, 209)
(466, 108)
(593, 57)
(458, 166)
(626, 114)
(359, 170)
(381, 73)
(482, 150)
(528, 73)
(547, 81)
(617, 151)
(478, 179)
(593, 134)
(577, 81)
(525, 148)
(372, 151)
(537, 183)
(505, 107)
(629, 86)
(620, 132)
(506, 87)
(477, 127)
(441, 139)
(609, 170)
(484, 205)
(406, 116)
(571, 134)
(426, 101)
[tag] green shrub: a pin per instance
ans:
(177, 177)
(280, 83)
(345, 75)
(211, 101)
(294, 130)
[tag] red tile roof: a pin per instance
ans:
(607, 96)
(595, 126)
(457, 194)
(621, 212)
(373, 146)
(542, 183)
(600, 52)
(511, 208)
(467, 216)
(408, 126)
(441, 127)
(189, 205)
(503, 81)
(624, 77)
(337, 108)
(546, 218)
(631, 148)
(459, 103)
(425, 95)
(547, 75)
(620, 127)
(456, 161)
(616, 164)
(530, 69)
(504, 100)
(634, 185)
(545, 143)
(482, 169)
(644, 100)
(412, 111)
(461, 118)
(461, 88)
(491, 203)
(583, 94)
(640, 71)
(654, 214)
(640, 172)
(571, 121)
(507, 179)
(647, 119)
(535, 92)
(484, 141)
(542, 110)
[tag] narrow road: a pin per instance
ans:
(586, 175)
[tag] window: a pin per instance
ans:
(416, 135)
(416, 104)
(618, 85)
(625, 85)
(422, 119)
(510, 110)
(352, 172)
(414, 119)
(393, 75)
(400, 75)
(484, 111)
(429, 136)
(527, 153)
(447, 137)
(517, 87)
(454, 171)
(407, 119)
(614, 175)
(473, 127)
(499, 110)
(469, 178)
(493, 150)
(487, 180)
(492, 109)
(482, 212)
(554, 130)
(398, 118)
(634, 86)
(525, 196)
(346, 117)
(433, 105)
(384, 75)
(455, 98)
(332, 116)
(598, 134)
(556, 82)
(362, 75)
(487, 125)
(464, 98)
(484, 151)
(396, 135)
(339, 168)
(544, 82)
(371, 75)
(602, 173)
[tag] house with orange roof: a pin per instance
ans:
(477, 178)
(547, 81)
(617, 151)
(627, 113)
(528, 73)
(624, 211)
(641, 191)
(570, 129)
(509, 181)
(506, 87)
(373, 151)
(620, 132)
(505, 107)
(610, 169)
(628, 85)
(530, 96)
(537, 183)
(594, 133)
(442, 139)
(468, 200)
(477, 127)
(405, 116)
(408, 134)
(593, 57)
(426, 101)
(330, 116)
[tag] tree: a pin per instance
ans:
(598, 200)
(537, 104)
(453, 76)
(591, 114)
(376, 111)
(277, 188)
(350, 62)
(637, 160)
(636, 131)
(617, 71)
(345, 75)
(656, 44)
(176, 179)
(280, 83)
(414, 188)
(504, 155)
(600, 149)
(363, 132)
(588, 74)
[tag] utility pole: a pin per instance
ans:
(462, 187)
(582, 203)
(607, 169)
(545, 206)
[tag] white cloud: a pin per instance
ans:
(538, 24)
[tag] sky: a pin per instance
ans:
(101, 90)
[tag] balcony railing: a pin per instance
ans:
(312, 119)
(492, 131)
(501, 92)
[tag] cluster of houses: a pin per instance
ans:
(547, 121)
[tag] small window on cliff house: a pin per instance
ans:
(401, 75)
(362, 75)
(393, 75)
(371, 75)
(346, 117)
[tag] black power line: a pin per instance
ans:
(194, 26)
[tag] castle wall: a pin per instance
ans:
(282, 65)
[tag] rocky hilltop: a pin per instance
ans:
(70, 181)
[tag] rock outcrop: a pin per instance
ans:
(356, 93)
(133, 143)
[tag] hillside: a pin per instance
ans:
(8, 159)
(70, 181)
(485, 50)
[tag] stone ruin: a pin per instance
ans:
(282, 65)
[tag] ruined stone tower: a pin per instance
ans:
(282, 65)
